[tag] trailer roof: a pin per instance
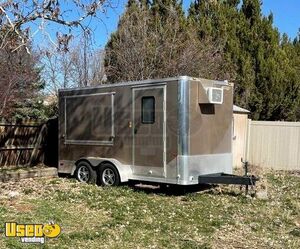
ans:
(150, 81)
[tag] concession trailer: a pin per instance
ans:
(169, 131)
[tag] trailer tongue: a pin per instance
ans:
(222, 178)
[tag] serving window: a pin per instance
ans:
(89, 119)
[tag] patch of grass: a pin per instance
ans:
(295, 232)
(28, 191)
(54, 181)
(121, 217)
(3, 213)
(14, 243)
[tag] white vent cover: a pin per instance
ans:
(215, 95)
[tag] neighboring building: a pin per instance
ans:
(240, 130)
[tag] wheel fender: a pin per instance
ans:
(123, 169)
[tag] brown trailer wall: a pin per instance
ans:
(210, 124)
(121, 145)
(121, 149)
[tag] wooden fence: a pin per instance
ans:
(28, 143)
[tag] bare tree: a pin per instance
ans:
(88, 63)
(97, 70)
(57, 71)
(80, 66)
(16, 15)
(19, 79)
(20, 21)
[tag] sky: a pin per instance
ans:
(286, 15)
(286, 19)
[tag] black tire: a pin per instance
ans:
(108, 175)
(164, 187)
(85, 173)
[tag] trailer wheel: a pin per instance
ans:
(109, 175)
(85, 173)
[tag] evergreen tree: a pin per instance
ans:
(219, 39)
(265, 79)
(156, 40)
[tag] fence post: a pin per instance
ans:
(248, 137)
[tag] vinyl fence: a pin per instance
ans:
(274, 145)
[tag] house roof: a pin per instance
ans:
(237, 109)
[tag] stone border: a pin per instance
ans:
(10, 175)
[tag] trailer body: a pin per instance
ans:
(166, 131)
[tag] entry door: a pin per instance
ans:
(149, 131)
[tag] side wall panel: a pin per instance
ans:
(121, 149)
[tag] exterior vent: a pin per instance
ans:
(215, 95)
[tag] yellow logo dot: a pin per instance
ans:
(51, 230)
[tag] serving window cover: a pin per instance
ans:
(89, 118)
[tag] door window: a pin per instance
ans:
(148, 110)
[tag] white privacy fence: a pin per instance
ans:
(274, 145)
(268, 144)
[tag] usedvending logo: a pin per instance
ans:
(31, 233)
